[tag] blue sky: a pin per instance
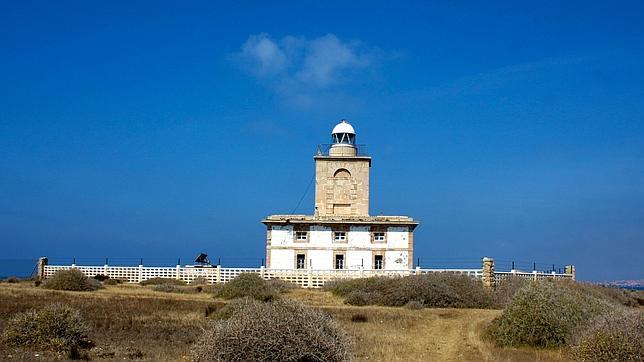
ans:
(160, 130)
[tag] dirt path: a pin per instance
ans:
(398, 334)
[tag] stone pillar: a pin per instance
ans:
(218, 274)
(418, 270)
(570, 269)
(261, 272)
(41, 267)
(178, 272)
(488, 272)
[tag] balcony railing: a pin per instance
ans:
(323, 150)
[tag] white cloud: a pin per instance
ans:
(298, 68)
(263, 56)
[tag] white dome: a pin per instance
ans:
(343, 127)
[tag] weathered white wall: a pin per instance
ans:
(359, 236)
(282, 259)
(282, 235)
(398, 237)
(396, 260)
(321, 259)
(320, 235)
(320, 248)
(355, 258)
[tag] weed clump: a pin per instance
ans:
(615, 336)
(442, 290)
(280, 330)
(158, 281)
(545, 314)
(248, 285)
(56, 327)
(73, 279)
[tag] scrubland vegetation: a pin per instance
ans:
(429, 317)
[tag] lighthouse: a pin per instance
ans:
(340, 233)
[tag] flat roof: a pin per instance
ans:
(337, 219)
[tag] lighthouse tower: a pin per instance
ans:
(340, 234)
(342, 176)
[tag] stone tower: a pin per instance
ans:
(342, 176)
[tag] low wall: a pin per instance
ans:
(304, 278)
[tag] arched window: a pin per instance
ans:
(341, 172)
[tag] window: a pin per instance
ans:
(301, 236)
(300, 262)
(342, 172)
(340, 236)
(379, 236)
(378, 262)
(339, 261)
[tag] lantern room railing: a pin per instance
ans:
(323, 149)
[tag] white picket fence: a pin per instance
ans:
(499, 276)
(214, 275)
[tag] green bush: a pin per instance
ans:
(248, 285)
(72, 279)
(158, 281)
(618, 335)
(431, 290)
(280, 330)
(615, 336)
(55, 327)
(545, 314)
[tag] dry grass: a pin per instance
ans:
(130, 321)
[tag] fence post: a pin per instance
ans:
(488, 272)
(178, 272)
(42, 262)
(534, 277)
(261, 271)
(309, 283)
(218, 274)
(140, 273)
(105, 271)
(570, 269)
(417, 269)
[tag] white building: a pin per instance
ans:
(340, 234)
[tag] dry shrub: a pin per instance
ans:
(111, 281)
(414, 305)
(615, 336)
(248, 285)
(281, 330)
(168, 288)
(72, 279)
(281, 286)
(56, 327)
(199, 281)
(545, 314)
(431, 290)
(505, 290)
(11, 279)
(610, 293)
(158, 281)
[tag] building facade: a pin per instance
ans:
(340, 234)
